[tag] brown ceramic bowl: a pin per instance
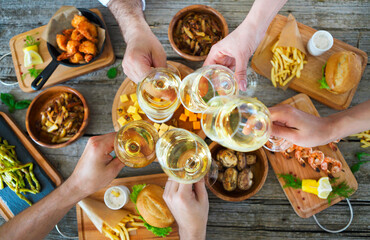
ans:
(40, 103)
(200, 9)
(259, 169)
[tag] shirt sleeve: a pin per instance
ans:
(105, 3)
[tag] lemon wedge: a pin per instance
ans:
(310, 186)
(33, 48)
(321, 188)
(324, 188)
(31, 57)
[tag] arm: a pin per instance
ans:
(307, 130)
(250, 32)
(189, 206)
(94, 170)
(143, 49)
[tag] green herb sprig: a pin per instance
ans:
(112, 72)
(9, 100)
(30, 41)
(341, 190)
(291, 181)
(33, 72)
(359, 156)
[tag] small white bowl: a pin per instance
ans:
(122, 200)
(311, 46)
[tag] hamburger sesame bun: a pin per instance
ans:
(153, 208)
(343, 71)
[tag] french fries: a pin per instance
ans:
(287, 63)
(121, 231)
(365, 138)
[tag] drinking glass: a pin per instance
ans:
(184, 156)
(134, 144)
(197, 88)
(237, 122)
(157, 94)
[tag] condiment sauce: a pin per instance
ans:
(321, 41)
(115, 198)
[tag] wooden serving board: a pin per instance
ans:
(48, 177)
(62, 73)
(87, 230)
(307, 204)
(312, 71)
(128, 87)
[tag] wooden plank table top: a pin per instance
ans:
(267, 215)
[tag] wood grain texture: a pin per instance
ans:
(268, 214)
(87, 230)
(128, 87)
(39, 158)
(62, 73)
(306, 204)
(312, 71)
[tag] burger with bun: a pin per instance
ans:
(152, 208)
(341, 73)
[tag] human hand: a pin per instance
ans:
(234, 52)
(189, 207)
(143, 51)
(96, 168)
(300, 128)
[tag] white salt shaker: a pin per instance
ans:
(320, 42)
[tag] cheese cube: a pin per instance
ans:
(123, 98)
(122, 121)
(140, 111)
(136, 117)
(187, 112)
(160, 133)
(133, 97)
(132, 110)
(196, 125)
(171, 127)
(199, 115)
(192, 117)
(157, 126)
(183, 117)
(164, 127)
(136, 104)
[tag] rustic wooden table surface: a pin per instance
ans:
(266, 215)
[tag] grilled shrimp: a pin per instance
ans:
(88, 30)
(88, 47)
(76, 35)
(77, 19)
(76, 58)
(331, 165)
(72, 47)
(315, 159)
(62, 42)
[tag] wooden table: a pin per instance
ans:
(266, 215)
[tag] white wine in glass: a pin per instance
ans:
(199, 87)
(158, 94)
(183, 155)
(135, 142)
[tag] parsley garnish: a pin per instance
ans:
(33, 72)
(9, 100)
(30, 41)
(357, 166)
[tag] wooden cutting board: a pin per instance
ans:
(307, 204)
(312, 71)
(48, 177)
(62, 73)
(128, 87)
(87, 230)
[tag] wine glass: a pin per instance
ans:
(184, 156)
(157, 94)
(134, 144)
(237, 122)
(197, 88)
